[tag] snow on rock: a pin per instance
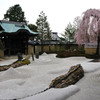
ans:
(12, 73)
(58, 71)
(30, 79)
(90, 66)
(7, 62)
(44, 54)
(44, 58)
(16, 89)
(96, 77)
(55, 94)
(89, 86)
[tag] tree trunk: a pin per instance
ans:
(98, 42)
(42, 46)
(49, 45)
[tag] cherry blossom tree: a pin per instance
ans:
(89, 28)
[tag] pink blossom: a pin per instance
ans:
(89, 28)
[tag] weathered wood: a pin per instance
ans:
(74, 74)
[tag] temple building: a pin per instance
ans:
(14, 37)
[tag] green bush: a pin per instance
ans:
(92, 56)
(73, 51)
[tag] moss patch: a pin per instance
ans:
(16, 64)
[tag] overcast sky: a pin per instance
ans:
(59, 12)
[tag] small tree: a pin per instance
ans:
(43, 28)
(48, 36)
(68, 36)
(15, 13)
(89, 29)
(76, 22)
(47, 32)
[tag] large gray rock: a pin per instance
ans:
(74, 74)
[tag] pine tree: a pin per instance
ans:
(43, 28)
(32, 27)
(68, 36)
(15, 13)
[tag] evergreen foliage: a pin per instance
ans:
(15, 13)
(68, 36)
(43, 27)
(32, 27)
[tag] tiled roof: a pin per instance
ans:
(11, 27)
(54, 36)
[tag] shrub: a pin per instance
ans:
(73, 51)
(26, 61)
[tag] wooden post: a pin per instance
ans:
(98, 42)
(33, 56)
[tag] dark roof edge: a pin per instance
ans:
(54, 33)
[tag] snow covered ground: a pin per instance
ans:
(24, 83)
